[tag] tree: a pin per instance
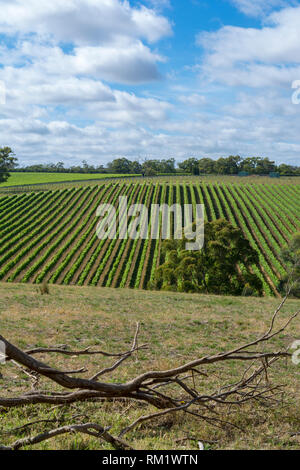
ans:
(149, 171)
(167, 166)
(249, 164)
(212, 270)
(224, 166)
(264, 166)
(60, 167)
(7, 163)
(206, 166)
(120, 166)
(154, 167)
(135, 168)
(286, 170)
(258, 165)
(290, 255)
(150, 167)
(191, 165)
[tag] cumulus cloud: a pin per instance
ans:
(64, 62)
(84, 21)
(130, 110)
(71, 91)
(259, 124)
(125, 63)
(103, 40)
(255, 57)
(61, 62)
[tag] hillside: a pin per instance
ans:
(50, 235)
(177, 327)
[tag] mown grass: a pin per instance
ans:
(177, 327)
(20, 179)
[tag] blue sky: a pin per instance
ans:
(101, 79)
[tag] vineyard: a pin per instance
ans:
(50, 236)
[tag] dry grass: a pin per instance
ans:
(177, 327)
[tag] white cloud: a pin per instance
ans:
(82, 21)
(129, 110)
(105, 38)
(254, 125)
(255, 57)
(261, 7)
(63, 102)
(268, 103)
(193, 99)
(70, 91)
(125, 63)
(46, 83)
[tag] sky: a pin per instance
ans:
(96, 80)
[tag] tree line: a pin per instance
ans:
(117, 166)
(232, 165)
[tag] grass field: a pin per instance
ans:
(27, 182)
(51, 235)
(177, 327)
(20, 179)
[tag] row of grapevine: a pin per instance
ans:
(16, 247)
(98, 245)
(47, 242)
(79, 264)
(51, 236)
(111, 249)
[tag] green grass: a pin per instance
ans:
(20, 179)
(178, 328)
(74, 179)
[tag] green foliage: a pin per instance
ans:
(232, 165)
(147, 168)
(124, 166)
(212, 269)
(291, 257)
(7, 163)
(154, 167)
(191, 165)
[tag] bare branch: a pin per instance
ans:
(88, 428)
